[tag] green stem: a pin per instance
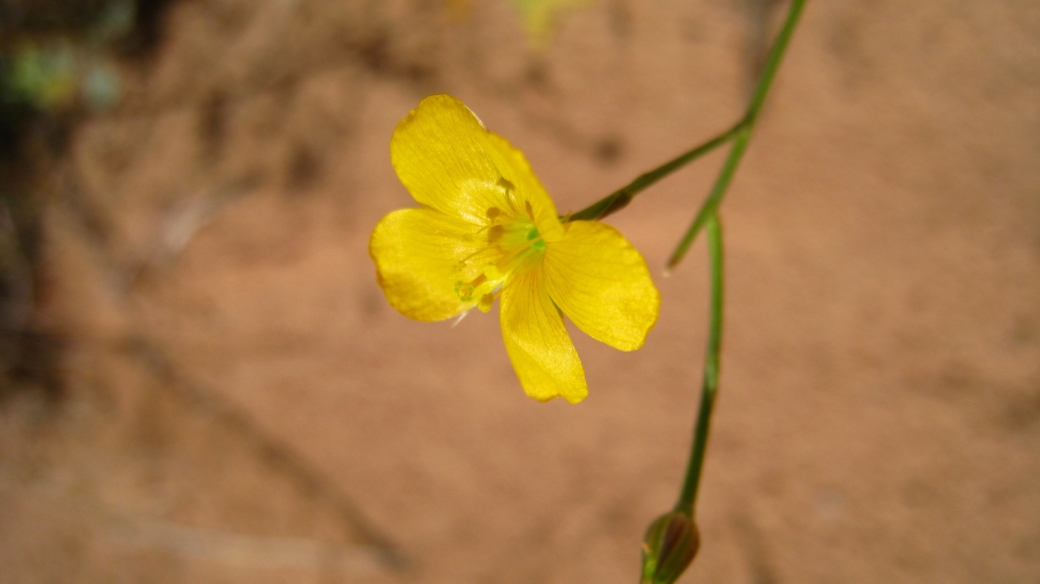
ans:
(708, 218)
(713, 230)
(776, 54)
(711, 205)
(740, 142)
(620, 198)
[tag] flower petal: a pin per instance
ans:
(417, 254)
(517, 171)
(602, 284)
(542, 353)
(439, 154)
(448, 161)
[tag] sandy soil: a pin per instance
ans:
(242, 405)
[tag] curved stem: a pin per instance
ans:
(711, 205)
(708, 218)
(623, 196)
(710, 387)
(740, 142)
(620, 198)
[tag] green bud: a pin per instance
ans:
(669, 546)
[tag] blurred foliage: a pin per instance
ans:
(59, 60)
(537, 16)
(63, 53)
(43, 76)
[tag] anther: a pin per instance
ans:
(495, 233)
(485, 302)
(505, 184)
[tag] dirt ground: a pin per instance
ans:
(240, 403)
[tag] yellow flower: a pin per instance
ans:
(486, 228)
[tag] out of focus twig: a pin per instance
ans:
(274, 452)
(183, 220)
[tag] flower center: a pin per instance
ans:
(512, 243)
(536, 238)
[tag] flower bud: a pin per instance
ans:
(669, 546)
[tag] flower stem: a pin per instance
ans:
(710, 206)
(708, 218)
(620, 198)
(743, 134)
(713, 231)
(740, 133)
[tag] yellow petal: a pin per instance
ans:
(417, 254)
(602, 284)
(448, 161)
(537, 342)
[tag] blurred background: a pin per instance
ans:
(202, 382)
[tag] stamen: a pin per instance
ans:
(495, 233)
(485, 302)
(505, 184)
(465, 290)
(462, 263)
(509, 188)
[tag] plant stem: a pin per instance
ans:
(743, 134)
(713, 231)
(710, 206)
(620, 198)
(708, 218)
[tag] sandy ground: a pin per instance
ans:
(241, 404)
